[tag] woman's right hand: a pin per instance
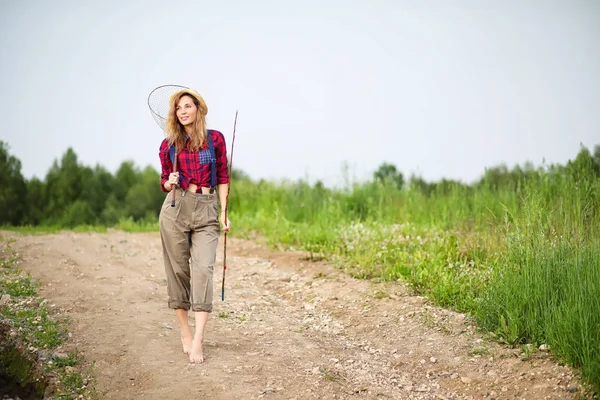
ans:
(173, 178)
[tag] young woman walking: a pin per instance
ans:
(189, 226)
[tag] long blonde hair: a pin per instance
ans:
(176, 132)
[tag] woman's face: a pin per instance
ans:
(186, 111)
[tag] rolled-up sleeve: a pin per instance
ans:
(221, 156)
(165, 162)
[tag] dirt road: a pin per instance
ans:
(288, 329)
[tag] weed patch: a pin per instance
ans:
(30, 360)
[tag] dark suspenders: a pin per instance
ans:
(213, 163)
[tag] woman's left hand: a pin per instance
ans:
(225, 224)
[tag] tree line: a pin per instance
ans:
(73, 194)
(584, 167)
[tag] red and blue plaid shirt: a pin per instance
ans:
(194, 167)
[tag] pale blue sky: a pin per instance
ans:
(438, 87)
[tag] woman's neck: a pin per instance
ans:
(188, 130)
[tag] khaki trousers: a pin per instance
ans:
(189, 234)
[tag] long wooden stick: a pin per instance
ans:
(226, 207)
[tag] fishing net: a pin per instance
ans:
(158, 102)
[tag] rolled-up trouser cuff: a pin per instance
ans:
(175, 304)
(207, 307)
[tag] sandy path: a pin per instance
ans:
(288, 329)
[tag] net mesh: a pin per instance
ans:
(158, 102)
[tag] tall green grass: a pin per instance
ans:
(547, 287)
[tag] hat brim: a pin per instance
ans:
(192, 93)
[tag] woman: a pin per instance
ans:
(189, 229)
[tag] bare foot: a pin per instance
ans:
(196, 355)
(186, 340)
